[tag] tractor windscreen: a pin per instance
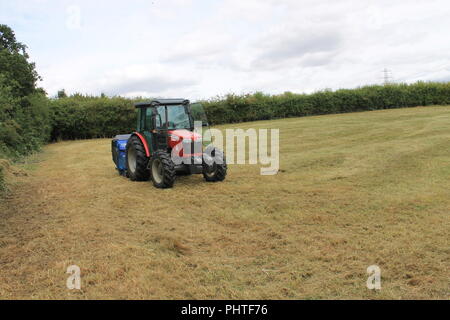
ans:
(177, 117)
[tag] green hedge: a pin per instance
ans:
(234, 108)
(80, 117)
(24, 126)
(28, 122)
(38, 119)
(25, 122)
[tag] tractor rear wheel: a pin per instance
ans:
(137, 160)
(217, 171)
(162, 170)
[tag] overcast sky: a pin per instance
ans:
(203, 48)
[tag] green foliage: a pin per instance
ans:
(84, 117)
(25, 122)
(24, 110)
(24, 115)
(234, 108)
(14, 65)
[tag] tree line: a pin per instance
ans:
(80, 117)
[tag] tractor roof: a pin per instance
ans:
(162, 102)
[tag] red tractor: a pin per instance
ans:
(165, 145)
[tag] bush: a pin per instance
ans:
(25, 123)
(24, 112)
(80, 117)
(233, 108)
(84, 117)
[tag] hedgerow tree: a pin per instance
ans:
(14, 65)
(24, 115)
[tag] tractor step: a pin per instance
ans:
(191, 169)
(196, 169)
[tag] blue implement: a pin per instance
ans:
(119, 152)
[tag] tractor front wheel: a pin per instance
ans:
(217, 170)
(137, 160)
(162, 170)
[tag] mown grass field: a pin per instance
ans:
(355, 190)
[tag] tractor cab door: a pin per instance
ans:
(160, 131)
(147, 127)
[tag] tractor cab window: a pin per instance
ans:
(161, 117)
(198, 113)
(148, 119)
(178, 118)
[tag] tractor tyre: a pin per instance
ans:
(137, 160)
(217, 171)
(162, 170)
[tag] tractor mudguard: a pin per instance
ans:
(144, 142)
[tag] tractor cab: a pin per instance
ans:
(165, 144)
(166, 121)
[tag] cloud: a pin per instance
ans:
(197, 46)
(306, 47)
(148, 80)
(150, 85)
